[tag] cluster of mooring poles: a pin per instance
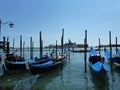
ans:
(6, 48)
(31, 48)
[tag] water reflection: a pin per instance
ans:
(39, 81)
(26, 83)
(114, 80)
(59, 82)
(71, 77)
(10, 79)
(100, 83)
(47, 78)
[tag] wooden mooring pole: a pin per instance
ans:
(116, 45)
(4, 41)
(62, 44)
(110, 49)
(56, 50)
(13, 45)
(31, 48)
(7, 47)
(69, 44)
(23, 49)
(62, 41)
(99, 47)
(20, 45)
(41, 48)
(85, 49)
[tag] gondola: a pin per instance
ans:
(14, 62)
(36, 68)
(19, 63)
(97, 63)
(115, 59)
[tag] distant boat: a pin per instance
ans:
(115, 58)
(82, 51)
(78, 51)
(36, 68)
(97, 62)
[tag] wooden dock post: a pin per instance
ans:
(13, 45)
(69, 45)
(85, 49)
(41, 48)
(31, 48)
(56, 50)
(116, 45)
(23, 49)
(110, 49)
(99, 47)
(4, 41)
(7, 47)
(62, 41)
(20, 45)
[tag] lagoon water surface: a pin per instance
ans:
(70, 77)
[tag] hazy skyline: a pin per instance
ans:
(50, 16)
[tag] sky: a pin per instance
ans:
(30, 17)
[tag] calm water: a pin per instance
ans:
(71, 77)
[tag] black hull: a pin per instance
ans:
(11, 66)
(116, 59)
(41, 69)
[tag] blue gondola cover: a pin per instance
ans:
(44, 64)
(93, 52)
(98, 66)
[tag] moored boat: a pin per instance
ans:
(97, 63)
(18, 64)
(36, 68)
(115, 59)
